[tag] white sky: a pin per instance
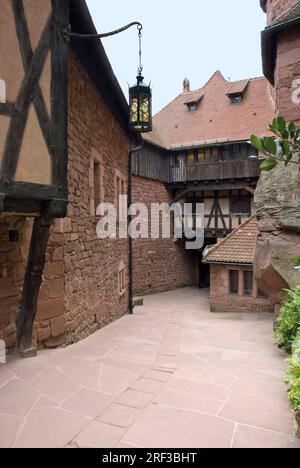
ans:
(181, 38)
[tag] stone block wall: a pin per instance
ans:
(277, 196)
(12, 270)
(162, 264)
(49, 323)
(276, 8)
(91, 265)
(222, 301)
(287, 75)
(79, 292)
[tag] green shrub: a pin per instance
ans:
(293, 375)
(288, 322)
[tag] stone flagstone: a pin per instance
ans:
(173, 375)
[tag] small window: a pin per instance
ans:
(191, 157)
(248, 283)
(207, 154)
(192, 107)
(201, 155)
(235, 99)
(120, 189)
(96, 182)
(122, 279)
(226, 151)
(234, 281)
(215, 154)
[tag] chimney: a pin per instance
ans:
(186, 86)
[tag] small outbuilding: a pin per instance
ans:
(233, 287)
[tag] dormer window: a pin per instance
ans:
(236, 91)
(192, 107)
(235, 99)
(193, 103)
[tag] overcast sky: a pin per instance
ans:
(181, 38)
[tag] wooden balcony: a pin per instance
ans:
(160, 165)
(223, 170)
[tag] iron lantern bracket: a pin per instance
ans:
(67, 33)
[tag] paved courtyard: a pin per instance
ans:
(173, 375)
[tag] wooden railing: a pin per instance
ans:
(223, 170)
(157, 164)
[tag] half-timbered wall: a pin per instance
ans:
(79, 293)
(226, 210)
(33, 104)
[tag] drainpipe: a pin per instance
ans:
(130, 246)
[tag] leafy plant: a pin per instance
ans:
(283, 147)
(296, 262)
(293, 375)
(288, 323)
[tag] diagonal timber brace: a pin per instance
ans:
(32, 284)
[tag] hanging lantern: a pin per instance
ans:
(140, 99)
(140, 103)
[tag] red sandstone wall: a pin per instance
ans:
(79, 293)
(12, 269)
(91, 265)
(287, 72)
(49, 325)
(159, 265)
(276, 8)
(288, 62)
(221, 301)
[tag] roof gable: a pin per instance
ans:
(238, 247)
(216, 119)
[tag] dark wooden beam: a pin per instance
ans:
(32, 284)
(7, 109)
(212, 186)
(59, 93)
(29, 190)
(179, 196)
(249, 189)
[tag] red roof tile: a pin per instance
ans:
(238, 87)
(236, 248)
(195, 97)
(216, 119)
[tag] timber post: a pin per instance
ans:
(32, 284)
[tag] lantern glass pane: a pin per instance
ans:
(134, 110)
(145, 110)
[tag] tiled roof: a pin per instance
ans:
(194, 97)
(216, 119)
(238, 87)
(238, 247)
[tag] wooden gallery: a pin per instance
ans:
(65, 146)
